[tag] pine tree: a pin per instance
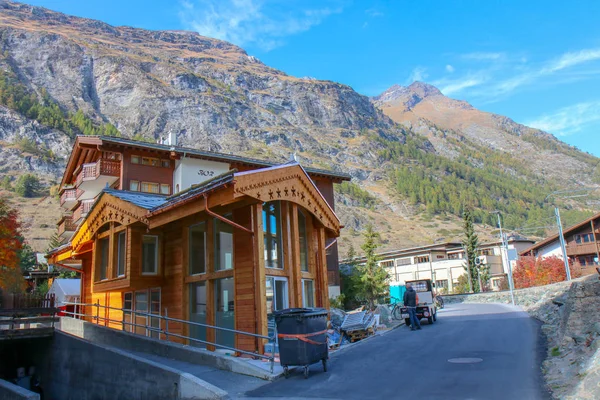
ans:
(373, 277)
(28, 185)
(471, 246)
(6, 185)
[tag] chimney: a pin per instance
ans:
(172, 139)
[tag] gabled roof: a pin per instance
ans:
(566, 232)
(140, 199)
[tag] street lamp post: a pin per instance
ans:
(504, 252)
(563, 246)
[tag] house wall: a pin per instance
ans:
(145, 173)
(550, 250)
(192, 171)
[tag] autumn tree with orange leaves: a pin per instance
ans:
(11, 279)
(532, 271)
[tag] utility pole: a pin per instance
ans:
(504, 252)
(563, 246)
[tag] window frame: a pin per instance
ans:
(118, 235)
(139, 159)
(103, 269)
(304, 264)
(156, 254)
(304, 302)
(189, 249)
(161, 186)
(149, 183)
(131, 183)
(277, 237)
(216, 242)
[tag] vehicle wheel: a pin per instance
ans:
(407, 321)
(324, 365)
(430, 320)
(435, 317)
(286, 372)
(306, 372)
(396, 314)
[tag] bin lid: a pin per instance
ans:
(299, 312)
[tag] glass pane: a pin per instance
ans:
(308, 295)
(224, 313)
(164, 189)
(103, 257)
(122, 251)
(198, 312)
(280, 294)
(155, 301)
(127, 301)
(223, 245)
(270, 294)
(272, 234)
(303, 238)
(141, 301)
(197, 249)
(149, 254)
(134, 186)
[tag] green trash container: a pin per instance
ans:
(302, 336)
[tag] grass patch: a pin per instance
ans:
(555, 352)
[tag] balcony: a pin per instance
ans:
(581, 249)
(94, 177)
(68, 198)
(82, 211)
(66, 227)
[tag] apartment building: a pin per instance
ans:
(214, 238)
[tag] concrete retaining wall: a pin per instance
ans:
(10, 391)
(136, 343)
(77, 369)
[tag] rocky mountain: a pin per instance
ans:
(423, 109)
(62, 75)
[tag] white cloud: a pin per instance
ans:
(449, 87)
(417, 74)
(483, 56)
(569, 120)
(372, 12)
(449, 68)
(571, 59)
(262, 22)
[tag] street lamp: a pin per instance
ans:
(504, 252)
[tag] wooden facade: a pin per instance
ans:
(227, 252)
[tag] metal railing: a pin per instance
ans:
(81, 307)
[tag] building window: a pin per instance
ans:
(584, 238)
(135, 159)
(272, 234)
(223, 244)
(198, 312)
(134, 186)
(197, 249)
(442, 285)
(440, 257)
(486, 252)
(422, 259)
(224, 311)
(303, 238)
(277, 294)
(121, 253)
(103, 245)
(387, 264)
(308, 293)
(402, 261)
(155, 310)
(149, 255)
(166, 163)
(154, 162)
(165, 189)
(150, 187)
(127, 308)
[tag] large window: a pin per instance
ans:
(225, 312)
(277, 294)
(308, 293)
(272, 234)
(150, 187)
(223, 245)
(197, 249)
(198, 312)
(303, 238)
(103, 254)
(422, 259)
(149, 255)
(584, 238)
(121, 253)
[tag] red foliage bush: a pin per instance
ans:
(532, 271)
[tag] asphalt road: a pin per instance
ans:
(414, 365)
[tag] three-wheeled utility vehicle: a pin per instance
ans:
(426, 306)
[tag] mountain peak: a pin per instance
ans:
(423, 89)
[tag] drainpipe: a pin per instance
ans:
(221, 218)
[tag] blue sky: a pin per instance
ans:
(537, 62)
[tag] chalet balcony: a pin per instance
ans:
(82, 211)
(93, 177)
(583, 249)
(68, 198)
(66, 227)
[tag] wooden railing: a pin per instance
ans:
(68, 195)
(581, 249)
(83, 210)
(92, 171)
(26, 301)
(66, 225)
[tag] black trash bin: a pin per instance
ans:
(302, 337)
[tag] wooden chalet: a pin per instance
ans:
(206, 237)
